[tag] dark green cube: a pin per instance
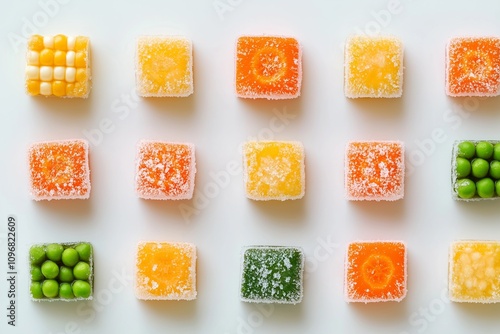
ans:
(272, 274)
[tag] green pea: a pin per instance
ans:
(484, 150)
(36, 273)
(463, 167)
(36, 290)
(466, 188)
(84, 251)
(37, 254)
(50, 269)
(495, 169)
(81, 289)
(70, 257)
(485, 188)
(66, 274)
(496, 151)
(50, 288)
(497, 188)
(81, 271)
(54, 252)
(480, 168)
(466, 150)
(65, 291)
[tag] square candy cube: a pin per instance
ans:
(375, 271)
(274, 170)
(272, 274)
(165, 171)
(474, 271)
(374, 171)
(475, 170)
(268, 67)
(61, 271)
(473, 66)
(373, 67)
(58, 66)
(59, 170)
(165, 271)
(164, 66)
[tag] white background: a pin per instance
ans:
(114, 219)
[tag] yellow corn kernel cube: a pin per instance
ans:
(164, 66)
(274, 170)
(58, 62)
(373, 67)
(165, 271)
(474, 271)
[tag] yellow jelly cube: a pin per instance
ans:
(165, 271)
(274, 170)
(164, 66)
(474, 272)
(373, 67)
(53, 61)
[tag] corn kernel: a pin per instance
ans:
(60, 58)
(81, 74)
(32, 72)
(70, 58)
(70, 74)
(59, 73)
(33, 87)
(46, 88)
(71, 43)
(48, 42)
(60, 42)
(33, 58)
(59, 88)
(47, 57)
(70, 89)
(46, 73)
(80, 59)
(81, 43)
(36, 43)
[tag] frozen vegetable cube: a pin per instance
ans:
(58, 66)
(61, 271)
(274, 170)
(272, 274)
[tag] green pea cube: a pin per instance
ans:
(61, 271)
(475, 170)
(272, 274)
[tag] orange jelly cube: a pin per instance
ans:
(375, 271)
(374, 171)
(59, 170)
(165, 271)
(473, 66)
(474, 271)
(165, 170)
(268, 67)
